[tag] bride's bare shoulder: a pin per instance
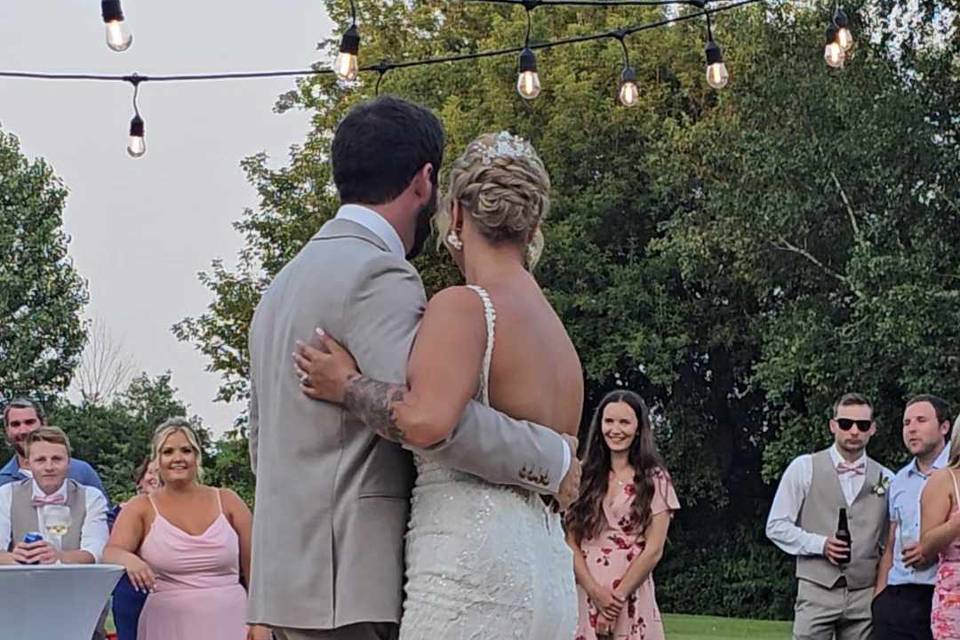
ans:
(455, 299)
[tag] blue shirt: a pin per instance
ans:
(79, 470)
(904, 506)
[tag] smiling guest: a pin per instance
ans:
(22, 508)
(618, 527)
(835, 580)
(193, 543)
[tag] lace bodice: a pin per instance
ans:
(484, 562)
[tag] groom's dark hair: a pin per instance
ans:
(380, 146)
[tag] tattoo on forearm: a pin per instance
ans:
(370, 401)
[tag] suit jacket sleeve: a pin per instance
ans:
(384, 311)
(253, 426)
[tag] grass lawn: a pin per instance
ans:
(686, 627)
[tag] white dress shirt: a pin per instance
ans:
(782, 526)
(378, 225)
(370, 219)
(93, 534)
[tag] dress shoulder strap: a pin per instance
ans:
(153, 504)
(956, 490)
(490, 314)
(219, 501)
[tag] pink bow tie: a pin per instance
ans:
(57, 498)
(846, 467)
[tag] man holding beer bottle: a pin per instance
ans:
(830, 511)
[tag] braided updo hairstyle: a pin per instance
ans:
(501, 183)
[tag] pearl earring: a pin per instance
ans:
(454, 240)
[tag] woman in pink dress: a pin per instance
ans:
(940, 535)
(188, 546)
(619, 525)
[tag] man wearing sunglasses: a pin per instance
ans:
(904, 593)
(21, 417)
(833, 595)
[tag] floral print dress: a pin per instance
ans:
(608, 556)
(945, 614)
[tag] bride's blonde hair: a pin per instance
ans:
(501, 183)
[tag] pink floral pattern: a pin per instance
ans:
(945, 615)
(608, 556)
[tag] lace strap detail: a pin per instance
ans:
(490, 313)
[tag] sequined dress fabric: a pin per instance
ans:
(484, 562)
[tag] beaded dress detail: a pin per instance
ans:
(484, 562)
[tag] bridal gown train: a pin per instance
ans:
(484, 562)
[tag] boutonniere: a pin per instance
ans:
(881, 487)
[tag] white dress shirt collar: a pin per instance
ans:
(38, 492)
(374, 222)
(837, 458)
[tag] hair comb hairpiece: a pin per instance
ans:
(504, 145)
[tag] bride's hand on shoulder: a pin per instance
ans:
(324, 367)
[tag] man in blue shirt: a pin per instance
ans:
(20, 418)
(904, 591)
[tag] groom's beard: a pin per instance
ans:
(422, 232)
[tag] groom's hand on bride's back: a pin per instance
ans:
(570, 485)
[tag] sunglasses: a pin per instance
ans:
(846, 424)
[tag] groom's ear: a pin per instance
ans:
(423, 181)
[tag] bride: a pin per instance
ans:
(483, 561)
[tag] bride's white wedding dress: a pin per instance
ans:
(484, 562)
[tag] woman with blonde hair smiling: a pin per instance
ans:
(186, 544)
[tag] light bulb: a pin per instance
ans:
(528, 82)
(844, 37)
(833, 53)
(347, 66)
(136, 146)
(629, 92)
(118, 37)
(717, 75)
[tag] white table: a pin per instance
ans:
(54, 602)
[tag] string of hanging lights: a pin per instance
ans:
(347, 67)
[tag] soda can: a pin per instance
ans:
(30, 538)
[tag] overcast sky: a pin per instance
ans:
(142, 229)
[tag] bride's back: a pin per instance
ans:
(535, 373)
(497, 199)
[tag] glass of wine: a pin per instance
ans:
(56, 522)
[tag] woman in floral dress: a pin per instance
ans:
(619, 525)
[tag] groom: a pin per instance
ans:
(332, 495)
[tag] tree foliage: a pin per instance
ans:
(41, 294)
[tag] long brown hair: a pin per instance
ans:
(585, 517)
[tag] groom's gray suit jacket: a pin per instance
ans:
(332, 497)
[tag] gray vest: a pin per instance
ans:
(866, 518)
(23, 515)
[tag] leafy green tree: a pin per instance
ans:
(41, 294)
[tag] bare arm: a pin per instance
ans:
(937, 528)
(886, 561)
(242, 522)
(125, 540)
(655, 537)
